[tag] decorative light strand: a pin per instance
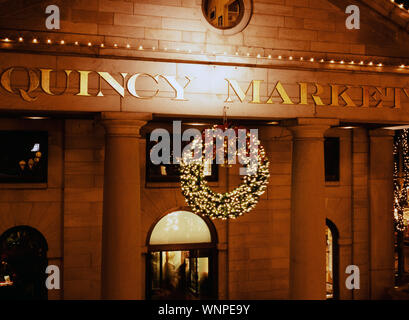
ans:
(400, 184)
(229, 205)
(290, 58)
(400, 6)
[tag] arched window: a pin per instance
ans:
(23, 261)
(182, 258)
(332, 261)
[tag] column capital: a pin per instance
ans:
(124, 123)
(310, 127)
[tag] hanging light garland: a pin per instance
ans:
(233, 204)
(401, 184)
(345, 62)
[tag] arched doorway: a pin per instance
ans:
(332, 260)
(23, 261)
(182, 258)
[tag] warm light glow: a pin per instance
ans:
(196, 124)
(36, 118)
(248, 54)
(180, 227)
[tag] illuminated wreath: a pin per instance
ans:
(203, 200)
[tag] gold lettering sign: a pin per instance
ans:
(132, 85)
(339, 95)
(33, 80)
(255, 85)
(46, 78)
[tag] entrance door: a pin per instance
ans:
(182, 258)
(181, 275)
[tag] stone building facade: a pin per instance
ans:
(97, 208)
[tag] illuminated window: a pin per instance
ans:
(331, 274)
(180, 227)
(229, 13)
(23, 156)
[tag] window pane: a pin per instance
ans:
(331, 157)
(23, 156)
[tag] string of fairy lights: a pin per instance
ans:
(365, 62)
(400, 4)
(230, 205)
(401, 179)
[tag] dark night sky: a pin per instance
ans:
(405, 2)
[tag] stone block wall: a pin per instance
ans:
(276, 27)
(83, 193)
(38, 205)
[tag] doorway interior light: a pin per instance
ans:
(196, 124)
(36, 117)
(397, 127)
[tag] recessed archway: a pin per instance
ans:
(23, 261)
(182, 258)
(332, 260)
